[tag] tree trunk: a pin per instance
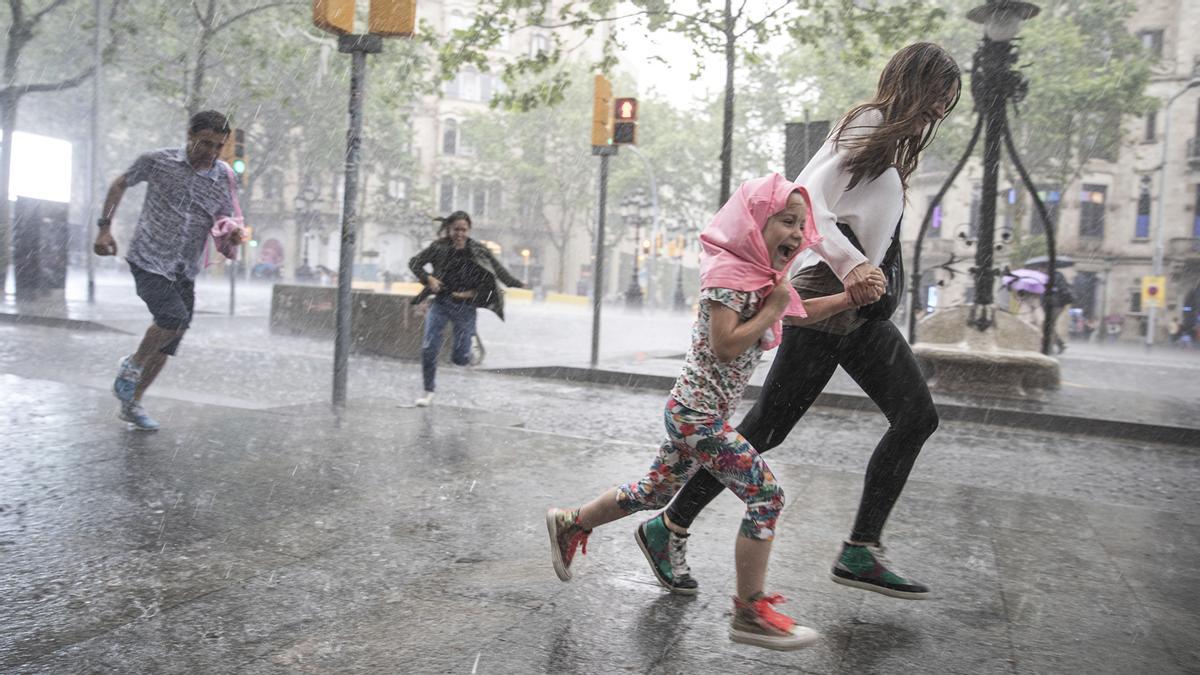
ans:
(727, 122)
(206, 27)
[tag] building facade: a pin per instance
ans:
(1106, 220)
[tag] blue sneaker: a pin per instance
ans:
(134, 413)
(126, 383)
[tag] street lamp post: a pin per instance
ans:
(304, 202)
(1152, 314)
(525, 253)
(633, 211)
(680, 300)
(994, 83)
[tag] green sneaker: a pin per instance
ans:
(864, 566)
(667, 554)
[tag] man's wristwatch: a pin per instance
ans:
(103, 222)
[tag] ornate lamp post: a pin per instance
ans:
(635, 210)
(304, 202)
(680, 300)
(994, 84)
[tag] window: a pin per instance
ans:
(468, 86)
(397, 188)
(495, 197)
(1151, 127)
(1141, 228)
(1051, 197)
(272, 185)
(457, 20)
(485, 87)
(1152, 41)
(1091, 210)
(935, 222)
(1135, 300)
(479, 201)
(538, 44)
(464, 148)
(450, 137)
(446, 195)
(1084, 289)
(1196, 215)
(462, 196)
(976, 207)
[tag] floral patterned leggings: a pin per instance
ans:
(698, 440)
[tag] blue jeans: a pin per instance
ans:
(462, 315)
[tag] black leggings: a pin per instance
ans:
(879, 359)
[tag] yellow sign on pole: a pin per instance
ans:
(392, 18)
(602, 112)
(334, 16)
(1154, 292)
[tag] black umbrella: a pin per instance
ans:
(1060, 262)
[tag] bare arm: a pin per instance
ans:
(105, 243)
(731, 336)
(822, 308)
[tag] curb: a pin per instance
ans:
(59, 322)
(1003, 417)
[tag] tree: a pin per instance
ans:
(22, 31)
(713, 27)
(1086, 74)
(538, 154)
(212, 18)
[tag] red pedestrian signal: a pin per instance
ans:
(625, 112)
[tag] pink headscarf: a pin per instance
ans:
(734, 254)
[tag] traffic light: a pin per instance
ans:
(602, 112)
(625, 127)
(239, 155)
(334, 16)
(394, 18)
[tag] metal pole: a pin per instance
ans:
(94, 164)
(598, 265)
(1152, 313)
(358, 46)
(993, 109)
(654, 227)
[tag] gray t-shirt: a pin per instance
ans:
(181, 204)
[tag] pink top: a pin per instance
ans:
(734, 254)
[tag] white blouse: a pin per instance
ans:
(871, 208)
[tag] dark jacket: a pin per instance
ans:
(439, 255)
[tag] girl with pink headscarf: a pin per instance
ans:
(747, 250)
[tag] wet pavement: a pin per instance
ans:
(260, 532)
(1117, 390)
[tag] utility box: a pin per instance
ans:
(41, 240)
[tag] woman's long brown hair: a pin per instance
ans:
(908, 87)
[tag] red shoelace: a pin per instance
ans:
(767, 614)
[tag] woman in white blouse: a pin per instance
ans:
(857, 182)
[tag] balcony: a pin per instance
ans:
(1193, 154)
(1183, 248)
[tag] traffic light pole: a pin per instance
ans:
(605, 151)
(358, 46)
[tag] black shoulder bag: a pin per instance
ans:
(893, 270)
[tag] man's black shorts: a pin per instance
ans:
(169, 302)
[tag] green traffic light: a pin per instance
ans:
(239, 166)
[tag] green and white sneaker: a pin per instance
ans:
(864, 566)
(667, 554)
